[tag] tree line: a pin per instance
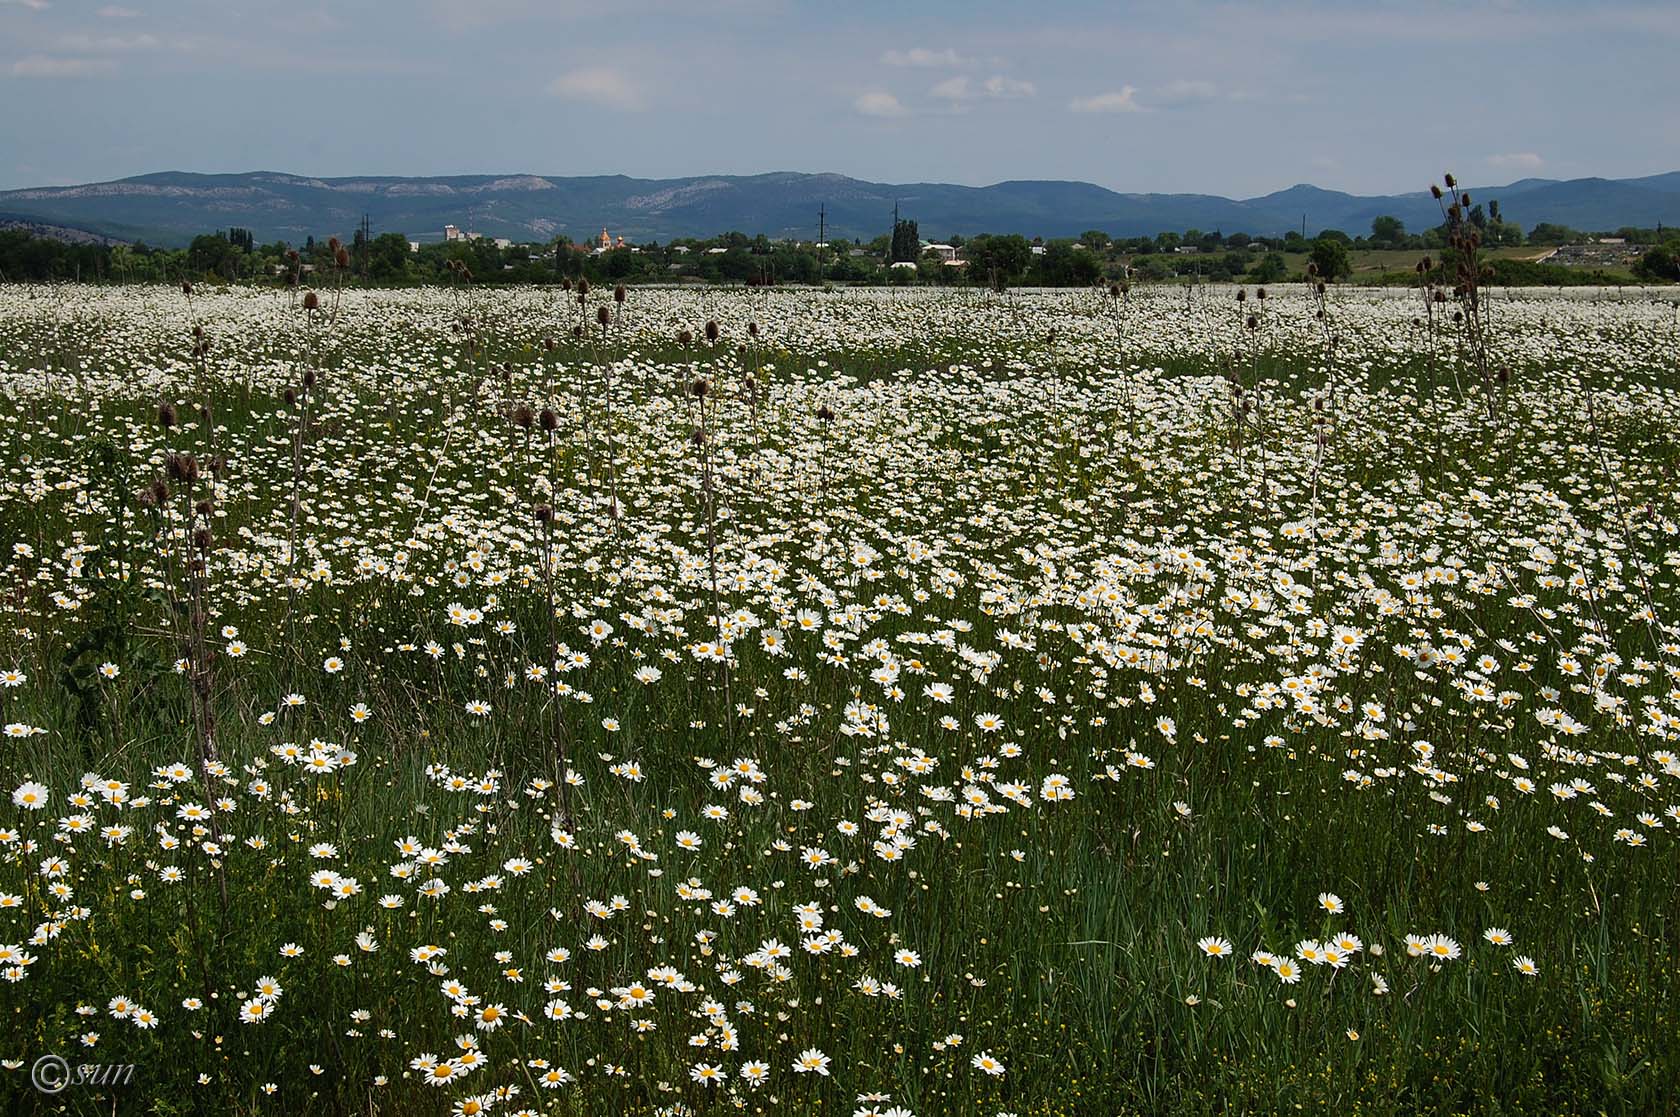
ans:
(233, 255)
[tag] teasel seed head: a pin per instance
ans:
(311, 301)
(166, 415)
(543, 513)
(825, 413)
(548, 420)
(685, 338)
(522, 417)
(620, 294)
(713, 330)
(699, 388)
(603, 316)
(752, 330)
(181, 467)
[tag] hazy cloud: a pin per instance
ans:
(996, 87)
(1184, 92)
(1001, 87)
(924, 57)
(600, 85)
(1125, 100)
(878, 103)
(106, 44)
(46, 66)
(1516, 161)
(32, 5)
(114, 11)
(953, 89)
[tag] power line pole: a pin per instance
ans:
(822, 238)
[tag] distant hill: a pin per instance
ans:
(171, 207)
(38, 228)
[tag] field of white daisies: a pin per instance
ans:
(676, 702)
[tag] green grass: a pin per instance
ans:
(1009, 515)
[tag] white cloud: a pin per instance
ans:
(1122, 101)
(600, 85)
(109, 43)
(1007, 88)
(114, 11)
(953, 89)
(878, 103)
(32, 5)
(1516, 160)
(925, 57)
(996, 87)
(45, 66)
(1185, 92)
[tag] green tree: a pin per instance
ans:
(1661, 262)
(999, 261)
(388, 257)
(1386, 230)
(213, 254)
(1330, 256)
(906, 242)
(1270, 269)
(1548, 233)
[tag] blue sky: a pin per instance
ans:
(1225, 98)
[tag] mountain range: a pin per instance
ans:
(171, 207)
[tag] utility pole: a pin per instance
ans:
(822, 238)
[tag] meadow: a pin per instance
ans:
(670, 701)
